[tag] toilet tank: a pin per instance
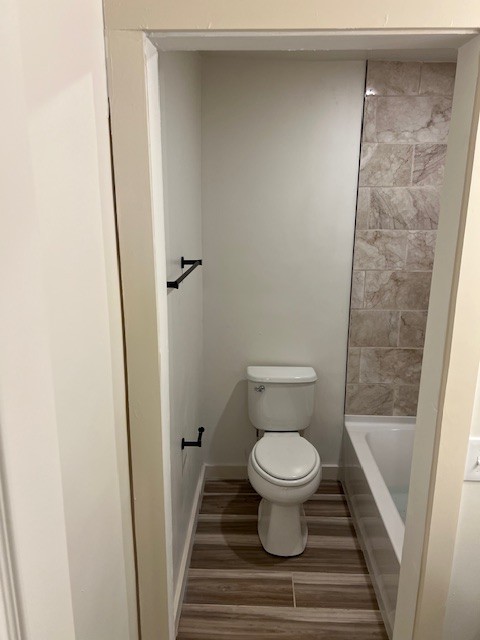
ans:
(281, 398)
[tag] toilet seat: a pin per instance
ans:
(285, 459)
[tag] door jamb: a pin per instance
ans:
(128, 97)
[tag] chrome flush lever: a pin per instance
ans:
(260, 388)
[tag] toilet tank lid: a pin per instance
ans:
(281, 374)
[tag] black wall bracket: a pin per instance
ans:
(174, 284)
(194, 443)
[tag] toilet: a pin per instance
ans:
(283, 467)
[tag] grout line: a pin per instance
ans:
(363, 346)
(420, 79)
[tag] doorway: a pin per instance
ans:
(134, 128)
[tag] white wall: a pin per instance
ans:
(280, 153)
(63, 426)
(180, 95)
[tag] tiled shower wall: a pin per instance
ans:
(406, 120)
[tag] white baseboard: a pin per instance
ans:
(239, 472)
(187, 549)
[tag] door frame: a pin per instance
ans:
(437, 476)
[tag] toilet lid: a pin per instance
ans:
(285, 456)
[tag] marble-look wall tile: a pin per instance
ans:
(363, 208)
(406, 120)
(369, 399)
(380, 250)
(374, 328)
(397, 290)
(429, 164)
(358, 289)
(391, 366)
(437, 78)
(420, 250)
(369, 119)
(412, 328)
(392, 78)
(408, 208)
(405, 400)
(353, 367)
(386, 165)
(411, 119)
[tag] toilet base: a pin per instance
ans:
(282, 529)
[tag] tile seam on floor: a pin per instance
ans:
(253, 518)
(242, 573)
(300, 576)
(315, 614)
(251, 540)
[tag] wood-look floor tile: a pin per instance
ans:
(237, 591)
(233, 525)
(238, 504)
(247, 504)
(228, 486)
(250, 589)
(199, 622)
(252, 540)
(219, 556)
(331, 526)
(330, 486)
(336, 591)
(319, 507)
(233, 573)
(326, 487)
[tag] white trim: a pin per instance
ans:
(293, 33)
(188, 547)
(9, 613)
(119, 58)
(383, 498)
(431, 43)
(379, 421)
(137, 191)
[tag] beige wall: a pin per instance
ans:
(280, 154)
(462, 618)
(180, 95)
(405, 128)
(63, 427)
(290, 14)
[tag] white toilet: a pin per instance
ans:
(284, 468)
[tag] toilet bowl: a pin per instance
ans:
(283, 467)
(285, 470)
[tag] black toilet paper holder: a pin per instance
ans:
(194, 443)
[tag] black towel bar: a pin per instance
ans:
(174, 284)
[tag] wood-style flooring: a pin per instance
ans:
(238, 591)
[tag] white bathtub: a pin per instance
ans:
(377, 455)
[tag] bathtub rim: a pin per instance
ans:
(357, 429)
